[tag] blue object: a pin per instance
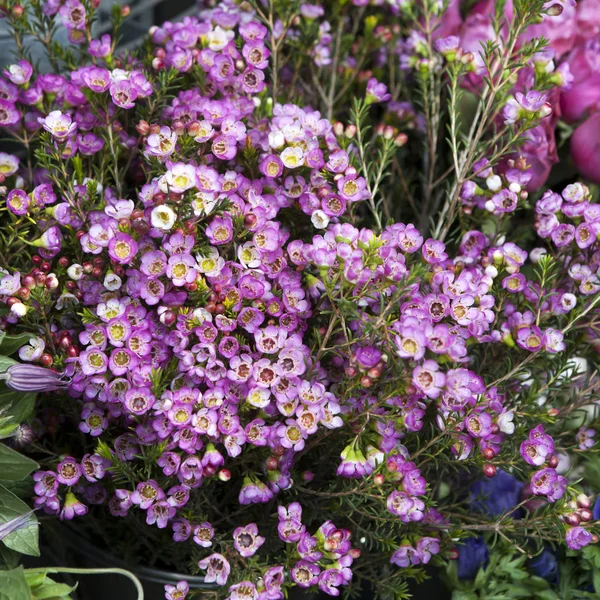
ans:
(496, 495)
(471, 556)
(545, 565)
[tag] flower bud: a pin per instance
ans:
(224, 474)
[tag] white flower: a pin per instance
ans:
(10, 284)
(505, 422)
(212, 264)
(33, 350)
(201, 315)
(203, 203)
(319, 219)
(494, 183)
(66, 298)
(179, 178)
(75, 272)
(249, 255)
(18, 309)
(292, 157)
(219, 38)
(259, 397)
(117, 75)
(276, 139)
(536, 254)
(112, 282)
(163, 217)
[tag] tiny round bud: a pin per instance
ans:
(29, 281)
(63, 262)
(88, 267)
(553, 462)
(272, 463)
(307, 476)
(24, 293)
(17, 11)
(374, 373)
(595, 538)
(45, 266)
(379, 479)
(489, 470)
(224, 474)
(583, 501)
(40, 279)
(168, 318)
(143, 128)
(250, 220)
(354, 553)
(572, 519)
(125, 10)
(46, 360)
(366, 382)
(72, 351)
(488, 453)
(351, 371)
(97, 272)
(585, 514)
(453, 554)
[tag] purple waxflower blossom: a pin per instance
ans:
(585, 438)
(18, 202)
(19, 73)
(354, 464)
(68, 471)
(217, 569)
(58, 124)
(51, 240)
(426, 547)
(72, 507)
(429, 379)
(246, 540)
(203, 534)
(46, 483)
(177, 592)
(9, 115)
(479, 425)
(122, 248)
(73, 15)
(243, 591)
(368, 356)
(532, 104)
(434, 251)
(405, 556)
(330, 580)
(160, 512)
(577, 538)
(146, 493)
(376, 91)
(220, 230)
(254, 492)
(100, 48)
(93, 467)
(305, 574)
(123, 93)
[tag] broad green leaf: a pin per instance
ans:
(13, 585)
(14, 466)
(9, 559)
(9, 344)
(459, 595)
(19, 405)
(25, 540)
(597, 582)
(52, 590)
(6, 362)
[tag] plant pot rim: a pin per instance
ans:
(83, 545)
